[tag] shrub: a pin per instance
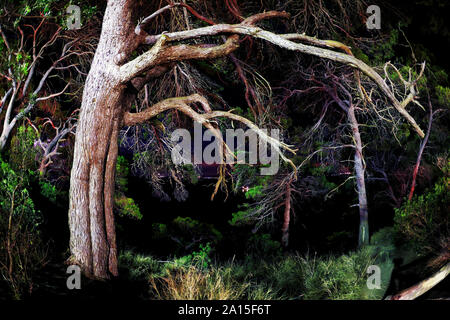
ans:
(286, 277)
(21, 249)
(336, 278)
(189, 234)
(262, 245)
(127, 207)
(201, 258)
(139, 267)
(122, 170)
(424, 221)
(192, 281)
(291, 277)
(382, 248)
(22, 152)
(443, 95)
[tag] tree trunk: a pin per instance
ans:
(287, 216)
(91, 220)
(363, 238)
(4, 136)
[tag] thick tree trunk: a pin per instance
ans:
(91, 220)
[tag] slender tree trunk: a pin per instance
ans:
(363, 238)
(4, 136)
(287, 216)
(91, 220)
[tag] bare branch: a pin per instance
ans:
(54, 95)
(182, 104)
(138, 30)
(422, 148)
(422, 287)
(284, 42)
(5, 97)
(158, 55)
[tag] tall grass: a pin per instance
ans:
(288, 277)
(191, 283)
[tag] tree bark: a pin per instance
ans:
(363, 238)
(287, 216)
(359, 166)
(91, 220)
(110, 87)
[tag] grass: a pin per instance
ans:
(287, 277)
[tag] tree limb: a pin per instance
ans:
(182, 104)
(284, 42)
(158, 55)
(422, 287)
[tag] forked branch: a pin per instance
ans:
(160, 55)
(182, 104)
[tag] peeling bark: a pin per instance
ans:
(91, 221)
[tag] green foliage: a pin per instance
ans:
(30, 7)
(185, 230)
(139, 267)
(21, 248)
(241, 217)
(23, 155)
(285, 276)
(15, 195)
(320, 172)
(443, 96)
(247, 113)
(48, 190)
(262, 245)
(383, 249)
(190, 173)
(254, 192)
(359, 54)
(186, 224)
(43, 6)
(127, 207)
(248, 177)
(122, 170)
(201, 258)
(336, 278)
(385, 50)
(290, 277)
(159, 231)
(424, 220)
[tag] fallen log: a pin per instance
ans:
(419, 289)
